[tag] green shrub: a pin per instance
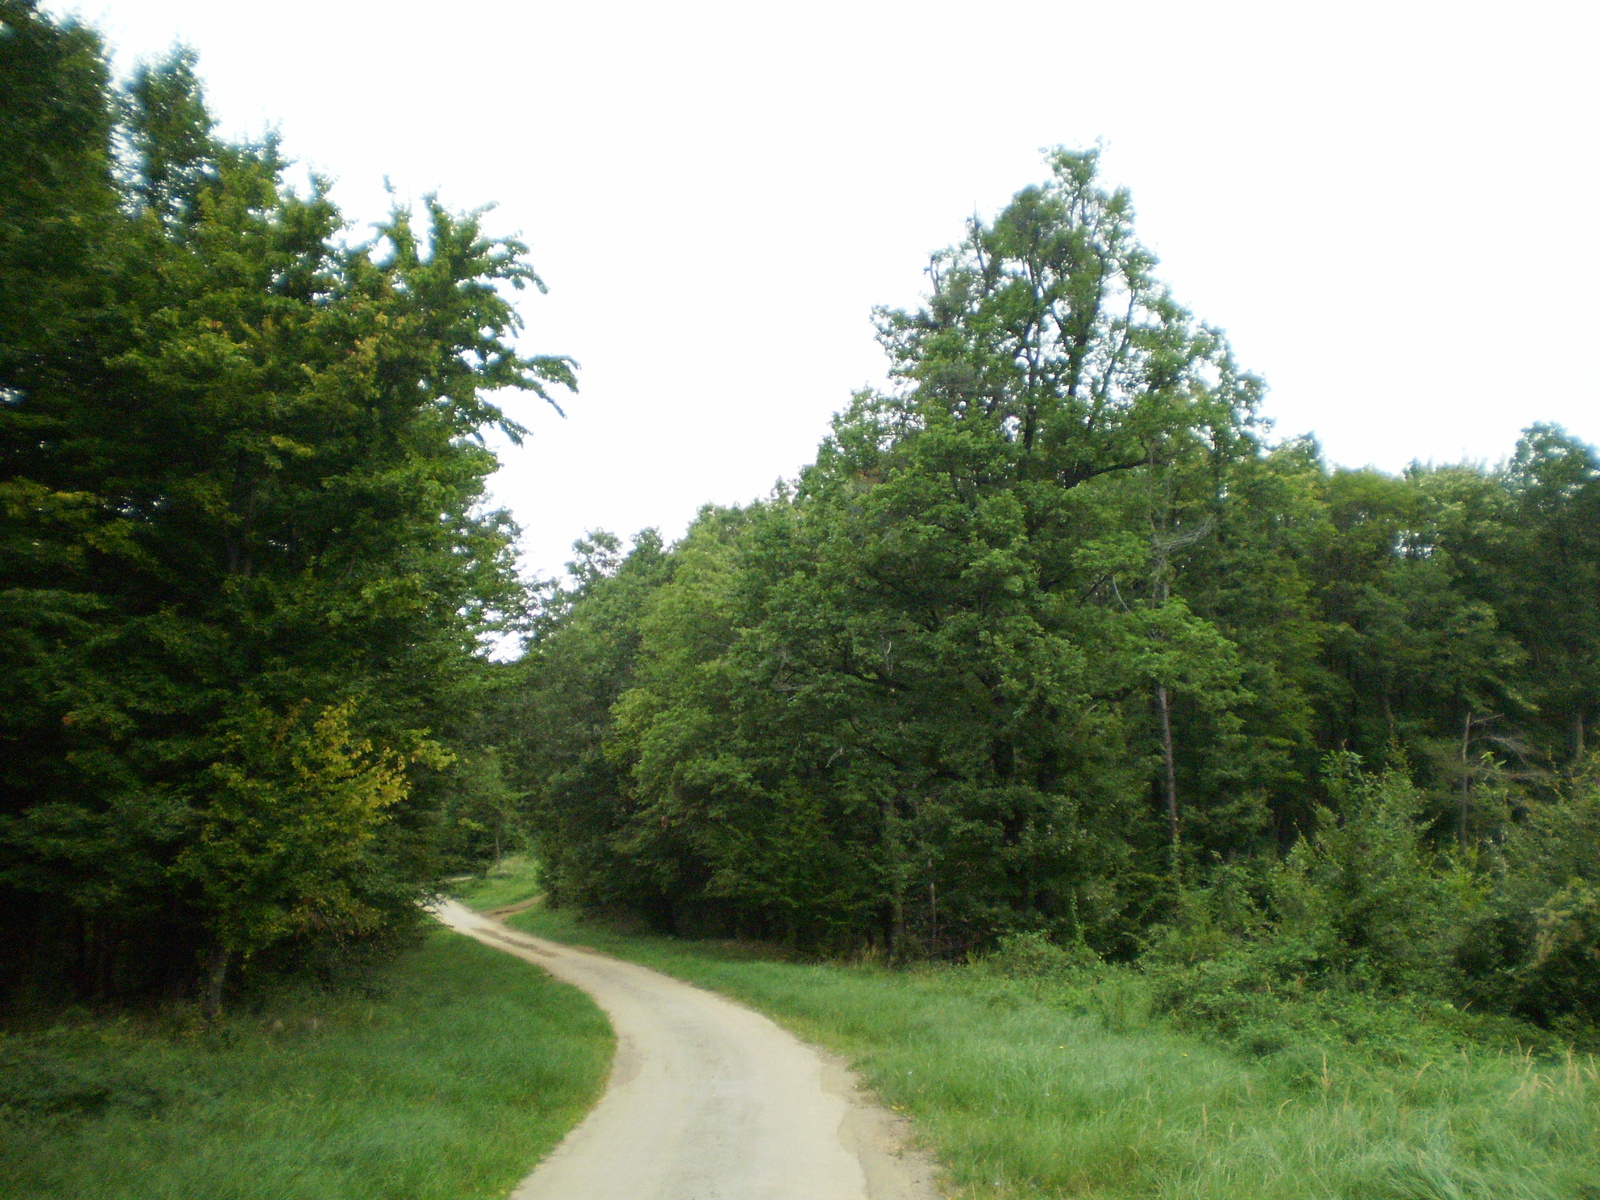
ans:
(1565, 968)
(1535, 950)
(1365, 897)
(1035, 956)
(1354, 937)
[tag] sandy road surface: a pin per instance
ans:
(707, 1099)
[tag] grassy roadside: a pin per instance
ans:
(1068, 1086)
(512, 880)
(446, 1077)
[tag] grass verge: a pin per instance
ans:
(447, 1076)
(1068, 1086)
(515, 878)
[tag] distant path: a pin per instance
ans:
(707, 1099)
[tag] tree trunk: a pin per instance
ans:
(1466, 781)
(1168, 763)
(1160, 593)
(892, 857)
(102, 966)
(216, 974)
(1577, 737)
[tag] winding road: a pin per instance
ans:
(707, 1100)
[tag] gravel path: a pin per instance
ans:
(708, 1100)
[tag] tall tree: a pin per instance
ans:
(909, 700)
(242, 526)
(1550, 579)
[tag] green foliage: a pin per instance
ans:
(1034, 956)
(1534, 951)
(1363, 906)
(1541, 568)
(1566, 954)
(244, 569)
(294, 810)
(1050, 642)
(516, 879)
(904, 702)
(1364, 910)
(1366, 895)
(483, 815)
(557, 714)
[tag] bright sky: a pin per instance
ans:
(1391, 207)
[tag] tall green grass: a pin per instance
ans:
(1070, 1087)
(513, 879)
(446, 1077)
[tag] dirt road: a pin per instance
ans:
(707, 1099)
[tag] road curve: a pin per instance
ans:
(707, 1100)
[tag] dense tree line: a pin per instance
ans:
(1052, 640)
(1053, 637)
(245, 578)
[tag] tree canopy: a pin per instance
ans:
(247, 573)
(1052, 636)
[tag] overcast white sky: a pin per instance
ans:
(1390, 207)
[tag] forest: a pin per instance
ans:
(1054, 640)
(1055, 643)
(245, 574)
